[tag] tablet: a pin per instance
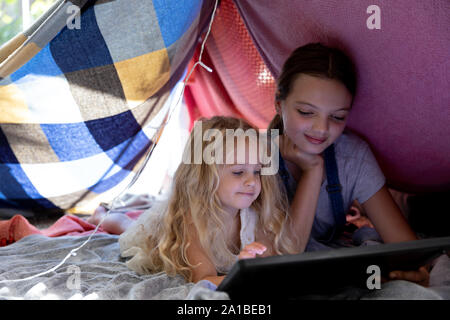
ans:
(327, 272)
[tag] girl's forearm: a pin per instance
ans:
(214, 279)
(387, 217)
(304, 205)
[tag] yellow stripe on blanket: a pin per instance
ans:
(13, 108)
(143, 76)
(18, 58)
(12, 45)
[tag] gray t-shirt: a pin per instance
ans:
(359, 175)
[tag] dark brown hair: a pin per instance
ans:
(317, 60)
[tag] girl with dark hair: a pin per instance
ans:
(314, 97)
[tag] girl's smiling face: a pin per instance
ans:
(315, 112)
(239, 186)
(240, 183)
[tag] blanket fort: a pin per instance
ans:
(80, 104)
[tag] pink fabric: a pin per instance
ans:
(19, 227)
(240, 84)
(402, 107)
(205, 95)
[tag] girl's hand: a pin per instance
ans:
(421, 276)
(305, 161)
(251, 250)
(357, 219)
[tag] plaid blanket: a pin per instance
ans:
(80, 96)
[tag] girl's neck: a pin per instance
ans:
(294, 170)
(231, 213)
(232, 218)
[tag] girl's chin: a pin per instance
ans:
(313, 149)
(244, 205)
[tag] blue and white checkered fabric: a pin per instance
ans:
(75, 103)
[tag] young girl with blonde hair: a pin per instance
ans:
(215, 215)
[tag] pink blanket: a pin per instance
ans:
(19, 227)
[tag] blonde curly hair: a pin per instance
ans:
(194, 200)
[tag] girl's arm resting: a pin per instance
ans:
(387, 218)
(393, 227)
(203, 269)
(304, 204)
(215, 279)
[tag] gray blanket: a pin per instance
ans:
(96, 272)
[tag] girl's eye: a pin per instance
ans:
(237, 173)
(304, 113)
(338, 118)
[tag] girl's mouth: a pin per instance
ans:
(315, 140)
(248, 194)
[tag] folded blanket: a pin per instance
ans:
(19, 227)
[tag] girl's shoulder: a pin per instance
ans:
(357, 163)
(148, 223)
(155, 211)
(349, 144)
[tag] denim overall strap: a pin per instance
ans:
(334, 187)
(285, 177)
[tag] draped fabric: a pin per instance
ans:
(241, 85)
(79, 107)
(402, 105)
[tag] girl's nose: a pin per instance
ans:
(250, 180)
(320, 125)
